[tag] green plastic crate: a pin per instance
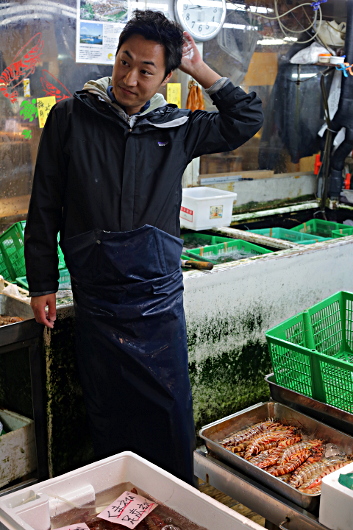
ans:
(3, 268)
(289, 235)
(319, 227)
(312, 352)
(195, 240)
(223, 252)
(64, 280)
(342, 232)
(12, 251)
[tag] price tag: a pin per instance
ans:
(77, 526)
(128, 510)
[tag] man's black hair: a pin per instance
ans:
(153, 25)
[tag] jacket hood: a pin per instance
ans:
(100, 86)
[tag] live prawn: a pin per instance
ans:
(266, 441)
(285, 453)
(309, 472)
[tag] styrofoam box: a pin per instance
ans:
(336, 503)
(17, 447)
(31, 508)
(203, 208)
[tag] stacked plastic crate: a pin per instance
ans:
(12, 260)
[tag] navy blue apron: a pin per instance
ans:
(131, 344)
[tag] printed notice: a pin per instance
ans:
(128, 510)
(44, 105)
(76, 526)
(99, 24)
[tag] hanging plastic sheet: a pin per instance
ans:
(293, 116)
(131, 344)
(231, 52)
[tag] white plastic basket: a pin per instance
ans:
(203, 208)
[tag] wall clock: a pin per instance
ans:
(203, 19)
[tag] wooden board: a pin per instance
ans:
(231, 503)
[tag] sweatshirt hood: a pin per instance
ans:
(100, 87)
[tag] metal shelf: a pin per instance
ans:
(273, 507)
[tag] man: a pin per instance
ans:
(108, 177)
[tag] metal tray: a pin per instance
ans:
(215, 432)
(333, 416)
(17, 331)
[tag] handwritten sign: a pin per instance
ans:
(174, 93)
(128, 510)
(77, 526)
(44, 105)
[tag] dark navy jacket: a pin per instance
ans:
(94, 171)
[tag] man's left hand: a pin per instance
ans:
(193, 64)
(191, 57)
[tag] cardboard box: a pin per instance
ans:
(220, 162)
(17, 447)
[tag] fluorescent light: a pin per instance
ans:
(20, 11)
(203, 3)
(274, 42)
(253, 9)
(296, 76)
(228, 25)
(160, 7)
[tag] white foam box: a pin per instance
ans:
(336, 502)
(203, 208)
(32, 508)
(17, 447)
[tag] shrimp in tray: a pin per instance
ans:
(316, 447)
(267, 458)
(270, 457)
(248, 433)
(308, 476)
(267, 440)
(295, 456)
(314, 486)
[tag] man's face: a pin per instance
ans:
(138, 73)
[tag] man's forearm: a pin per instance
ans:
(204, 75)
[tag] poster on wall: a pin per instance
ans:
(99, 24)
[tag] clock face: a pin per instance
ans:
(203, 19)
